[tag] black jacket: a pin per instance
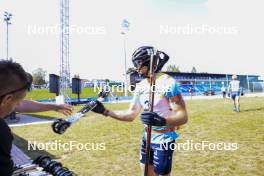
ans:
(6, 139)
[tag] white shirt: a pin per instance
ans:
(234, 85)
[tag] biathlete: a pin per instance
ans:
(234, 91)
(169, 112)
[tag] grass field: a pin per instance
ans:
(39, 94)
(209, 120)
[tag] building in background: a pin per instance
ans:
(209, 83)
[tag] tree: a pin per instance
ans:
(76, 76)
(172, 68)
(194, 70)
(107, 80)
(39, 76)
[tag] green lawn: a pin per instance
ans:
(39, 94)
(209, 120)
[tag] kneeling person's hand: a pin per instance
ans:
(152, 118)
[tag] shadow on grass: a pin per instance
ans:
(42, 116)
(255, 109)
(22, 144)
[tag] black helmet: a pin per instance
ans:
(141, 57)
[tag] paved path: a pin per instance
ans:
(27, 120)
(19, 157)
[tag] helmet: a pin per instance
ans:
(141, 57)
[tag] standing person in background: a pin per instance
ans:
(223, 90)
(234, 90)
(191, 92)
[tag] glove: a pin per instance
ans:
(152, 118)
(100, 109)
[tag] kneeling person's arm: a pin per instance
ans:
(32, 106)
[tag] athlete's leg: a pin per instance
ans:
(234, 106)
(238, 103)
(162, 159)
(234, 96)
(143, 158)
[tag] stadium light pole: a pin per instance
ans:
(64, 49)
(7, 18)
(125, 28)
(248, 83)
(210, 82)
(195, 86)
(226, 80)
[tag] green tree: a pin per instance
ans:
(76, 76)
(107, 80)
(173, 68)
(39, 76)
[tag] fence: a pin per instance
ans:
(256, 87)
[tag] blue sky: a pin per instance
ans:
(99, 53)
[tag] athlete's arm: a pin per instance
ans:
(128, 115)
(178, 116)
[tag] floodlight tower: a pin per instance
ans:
(7, 18)
(64, 48)
(125, 28)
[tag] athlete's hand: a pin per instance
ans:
(100, 109)
(152, 118)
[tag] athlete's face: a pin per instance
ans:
(143, 70)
